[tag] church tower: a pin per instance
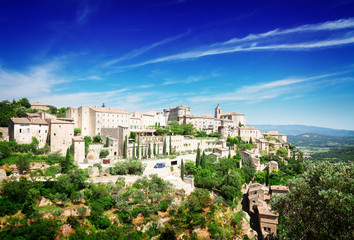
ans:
(218, 111)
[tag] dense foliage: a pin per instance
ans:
(319, 204)
(336, 155)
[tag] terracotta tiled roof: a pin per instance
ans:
(108, 110)
(36, 121)
(231, 113)
(39, 104)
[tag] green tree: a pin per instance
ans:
(23, 163)
(125, 148)
(104, 153)
(164, 147)
(97, 139)
(170, 150)
(197, 160)
(137, 149)
(149, 150)
(21, 111)
(133, 154)
(154, 150)
(67, 162)
(182, 170)
(319, 205)
(203, 161)
(107, 141)
(77, 131)
(282, 152)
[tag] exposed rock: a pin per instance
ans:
(2, 174)
(44, 202)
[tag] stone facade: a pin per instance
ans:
(79, 149)
(61, 134)
(39, 106)
(177, 113)
(259, 197)
(247, 132)
(24, 129)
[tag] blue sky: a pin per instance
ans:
(278, 62)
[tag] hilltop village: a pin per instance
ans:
(171, 144)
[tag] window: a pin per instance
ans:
(55, 134)
(28, 130)
(45, 131)
(20, 130)
(39, 131)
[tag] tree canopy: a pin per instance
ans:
(319, 204)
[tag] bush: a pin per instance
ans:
(97, 139)
(104, 153)
(104, 223)
(163, 206)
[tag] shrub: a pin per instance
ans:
(97, 139)
(104, 153)
(163, 206)
(103, 223)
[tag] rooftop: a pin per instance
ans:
(231, 113)
(108, 110)
(29, 121)
(39, 104)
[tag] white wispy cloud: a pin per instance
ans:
(269, 90)
(83, 11)
(36, 81)
(142, 50)
(337, 33)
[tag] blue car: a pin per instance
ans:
(160, 165)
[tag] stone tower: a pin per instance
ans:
(79, 150)
(218, 111)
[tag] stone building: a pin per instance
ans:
(39, 106)
(79, 149)
(281, 137)
(258, 199)
(92, 119)
(61, 134)
(24, 129)
(177, 113)
(247, 132)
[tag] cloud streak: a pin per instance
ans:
(271, 41)
(268, 90)
(142, 50)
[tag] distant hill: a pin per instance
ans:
(321, 141)
(302, 129)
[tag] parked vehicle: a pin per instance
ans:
(160, 165)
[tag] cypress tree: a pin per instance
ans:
(182, 169)
(203, 160)
(164, 147)
(133, 150)
(267, 177)
(251, 141)
(154, 150)
(170, 152)
(149, 151)
(142, 151)
(125, 149)
(158, 148)
(107, 141)
(67, 163)
(197, 160)
(137, 149)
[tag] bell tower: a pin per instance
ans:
(218, 111)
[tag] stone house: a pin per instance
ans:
(258, 198)
(24, 129)
(39, 106)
